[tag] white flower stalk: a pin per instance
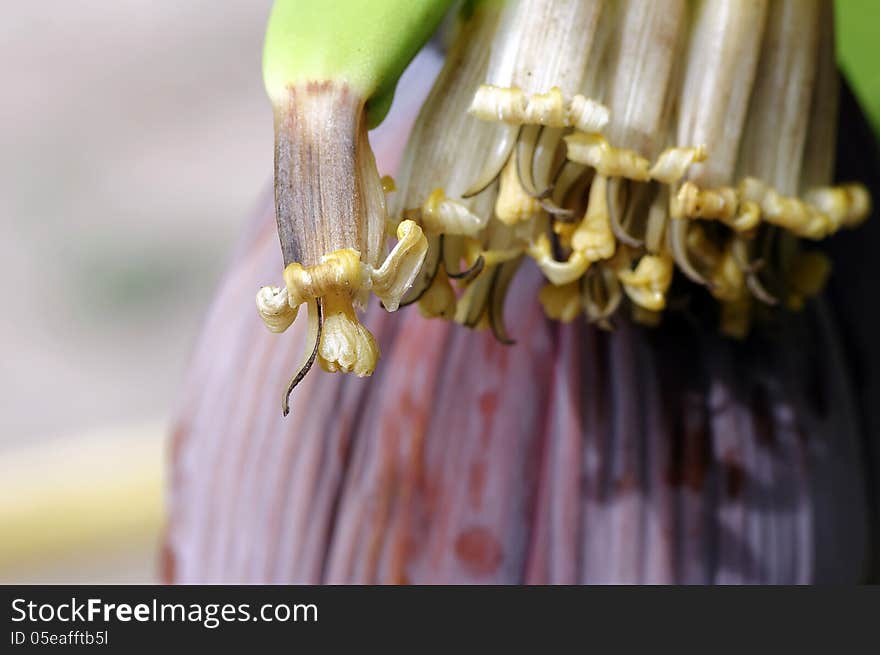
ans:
(468, 246)
(443, 156)
(628, 194)
(720, 67)
(621, 141)
(329, 198)
(754, 181)
(614, 143)
(330, 211)
(540, 63)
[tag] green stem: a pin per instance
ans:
(364, 43)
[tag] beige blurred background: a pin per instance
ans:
(134, 139)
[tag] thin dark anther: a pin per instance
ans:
(525, 154)
(612, 196)
(495, 162)
(677, 235)
(497, 294)
(307, 365)
(751, 269)
(469, 273)
(543, 159)
(559, 213)
(602, 296)
(478, 298)
(430, 267)
(741, 257)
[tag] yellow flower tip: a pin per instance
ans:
(492, 103)
(748, 217)
(439, 299)
(346, 345)
(443, 215)
(736, 318)
(512, 105)
(558, 273)
(551, 109)
(342, 272)
(483, 323)
(795, 215)
(564, 232)
(337, 339)
(860, 205)
(647, 284)
(806, 277)
(821, 212)
(561, 303)
(594, 237)
(513, 204)
(719, 204)
(673, 163)
(392, 280)
(728, 279)
(388, 185)
(337, 272)
(274, 308)
(594, 150)
(847, 205)
(587, 115)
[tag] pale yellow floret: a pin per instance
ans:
(564, 232)
(561, 303)
(513, 204)
(340, 277)
(702, 250)
(806, 277)
(559, 273)
(594, 237)
(274, 308)
(339, 271)
(548, 109)
(823, 211)
(494, 257)
(388, 185)
(346, 345)
(673, 164)
(794, 215)
(728, 280)
(442, 215)
(391, 280)
(721, 204)
(595, 151)
(439, 299)
(846, 205)
(492, 103)
(587, 115)
(648, 283)
(551, 109)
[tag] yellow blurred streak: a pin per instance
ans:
(81, 494)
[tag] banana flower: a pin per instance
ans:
(573, 158)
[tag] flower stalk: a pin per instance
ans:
(329, 197)
(634, 141)
(619, 145)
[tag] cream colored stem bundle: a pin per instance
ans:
(629, 148)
